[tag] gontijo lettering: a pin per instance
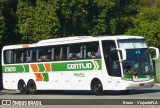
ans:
(79, 66)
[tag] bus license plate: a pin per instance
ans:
(141, 84)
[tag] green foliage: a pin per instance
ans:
(37, 20)
(8, 22)
(28, 21)
(72, 16)
(95, 17)
(99, 14)
(2, 22)
(122, 15)
(147, 24)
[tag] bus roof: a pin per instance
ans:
(117, 37)
(74, 39)
(66, 39)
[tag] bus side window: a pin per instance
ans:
(23, 57)
(92, 50)
(73, 56)
(57, 57)
(64, 53)
(61, 53)
(57, 52)
(18, 54)
(43, 54)
(8, 55)
(52, 53)
(30, 55)
(91, 55)
(74, 52)
(98, 53)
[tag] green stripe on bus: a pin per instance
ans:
(45, 76)
(73, 66)
(100, 64)
(15, 68)
(26, 68)
(61, 66)
(41, 67)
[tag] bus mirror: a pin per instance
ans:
(156, 53)
(122, 53)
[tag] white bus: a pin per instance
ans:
(79, 63)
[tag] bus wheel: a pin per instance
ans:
(22, 87)
(32, 87)
(97, 88)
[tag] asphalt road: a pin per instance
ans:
(74, 99)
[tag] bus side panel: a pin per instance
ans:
(10, 80)
(82, 80)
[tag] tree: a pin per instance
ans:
(33, 20)
(37, 20)
(2, 22)
(98, 16)
(147, 24)
(95, 17)
(72, 16)
(8, 18)
(122, 15)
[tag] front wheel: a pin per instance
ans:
(97, 88)
(32, 87)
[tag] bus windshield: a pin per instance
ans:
(138, 59)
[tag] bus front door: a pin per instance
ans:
(115, 70)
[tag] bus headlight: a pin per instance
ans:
(127, 79)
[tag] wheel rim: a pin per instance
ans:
(31, 88)
(97, 88)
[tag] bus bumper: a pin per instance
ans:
(129, 85)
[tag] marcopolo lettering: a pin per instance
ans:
(79, 66)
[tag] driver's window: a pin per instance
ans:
(111, 58)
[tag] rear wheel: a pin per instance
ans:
(97, 88)
(31, 87)
(22, 87)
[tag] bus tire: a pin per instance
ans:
(97, 87)
(31, 86)
(22, 87)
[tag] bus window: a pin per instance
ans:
(29, 57)
(111, 58)
(57, 52)
(43, 54)
(52, 53)
(18, 56)
(64, 53)
(23, 57)
(7, 56)
(92, 50)
(75, 52)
